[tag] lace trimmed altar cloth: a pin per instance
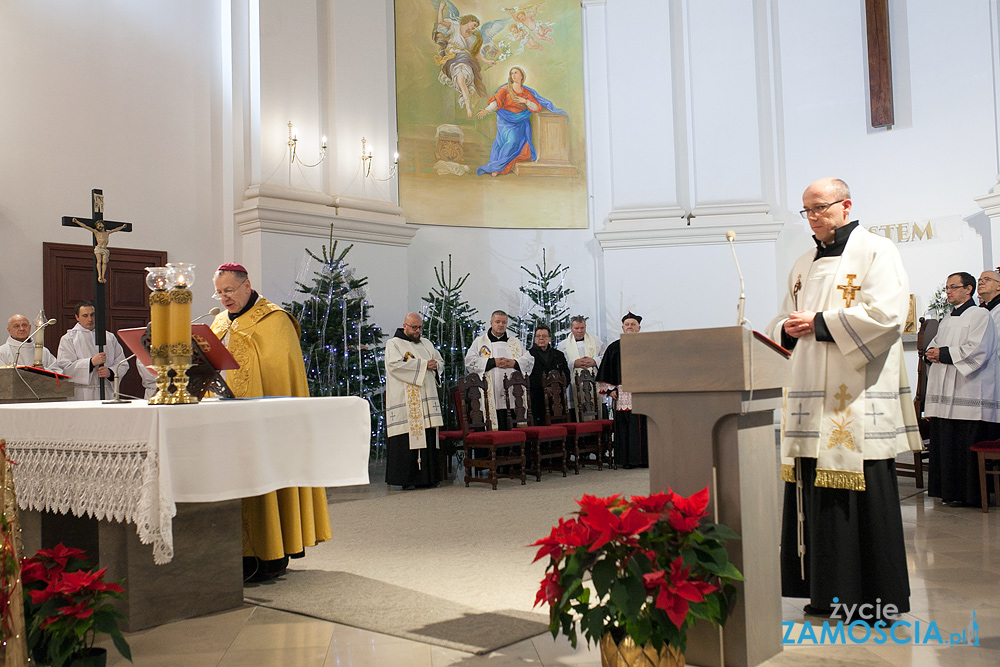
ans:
(132, 463)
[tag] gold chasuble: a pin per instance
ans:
(265, 342)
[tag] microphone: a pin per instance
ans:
(731, 236)
(117, 381)
(212, 313)
(17, 352)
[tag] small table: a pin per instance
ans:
(176, 473)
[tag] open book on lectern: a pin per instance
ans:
(208, 357)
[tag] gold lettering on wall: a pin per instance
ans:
(905, 232)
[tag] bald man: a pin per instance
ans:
(22, 348)
(413, 410)
(847, 412)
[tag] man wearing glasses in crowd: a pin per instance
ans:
(961, 394)
(847, 412)
(264, 339)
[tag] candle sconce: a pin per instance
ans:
(366, 163)
(293, 145)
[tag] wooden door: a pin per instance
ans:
(68, 278)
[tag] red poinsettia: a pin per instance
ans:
(655, 565)
(67, 606)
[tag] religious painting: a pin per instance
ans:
(489, 109)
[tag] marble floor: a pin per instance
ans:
(953, 559)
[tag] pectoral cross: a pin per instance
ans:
(843, 397)
(101, 229)
(849, 287)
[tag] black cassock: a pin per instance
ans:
(631, 443)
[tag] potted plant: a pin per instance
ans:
(66, 607)
(656, 566)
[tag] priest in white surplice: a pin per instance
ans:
(497, 355)
(582, 350)
(413, 410)
(78, 356)
(847, 412)
(961, 393)
(21, 348)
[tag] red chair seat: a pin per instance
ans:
(542, 432)
(987, 446)
(449, 435)
(494, 438)
(606, 424)
(583, 428)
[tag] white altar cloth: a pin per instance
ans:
(132, 463)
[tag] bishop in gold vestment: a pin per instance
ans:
(264, 340)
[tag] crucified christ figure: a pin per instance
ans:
(101, 251)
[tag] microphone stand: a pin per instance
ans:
(118, 378)
(740, 320)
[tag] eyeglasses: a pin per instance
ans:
(816, 210)
(949, 288)
(985, 278)
(228, 292)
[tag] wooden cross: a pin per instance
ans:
(879, 62)
(849, 287)
(843, 397)
(101, 229)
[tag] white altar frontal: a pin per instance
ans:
(155, 490)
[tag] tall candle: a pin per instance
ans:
(180, 318)
(159, 327)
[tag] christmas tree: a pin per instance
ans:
(548, 293)
(341, 348)
(450, 324)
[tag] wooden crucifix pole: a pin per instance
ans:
(879, 62)
(101, 229)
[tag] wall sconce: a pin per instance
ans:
(293, 156)
(366, 163)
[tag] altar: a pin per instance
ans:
(154, 490)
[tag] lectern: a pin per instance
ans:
(27, 384)
(709, 397)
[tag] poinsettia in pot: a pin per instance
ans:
(66, 607)
(656, 564)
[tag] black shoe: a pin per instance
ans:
(956, 503)
(817, 611)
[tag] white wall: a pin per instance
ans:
(111, 95)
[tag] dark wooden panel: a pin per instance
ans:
(68, 278)
(879, 62)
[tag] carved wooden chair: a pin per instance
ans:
(499, 453)
(583, 437)
(988, 452)
(545, 448)
(589, 405)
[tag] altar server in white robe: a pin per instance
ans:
(413, 414)
(847, 413)
(78, 356)
(582, 349)
(988, 291)
(19, 350)
(498, 355)
(961, 393)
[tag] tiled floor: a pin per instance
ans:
(954, 564)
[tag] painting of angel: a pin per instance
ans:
(460, 53)
(490, 113)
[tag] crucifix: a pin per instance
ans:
(879, 63)
(849, 290)
(101, 229)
